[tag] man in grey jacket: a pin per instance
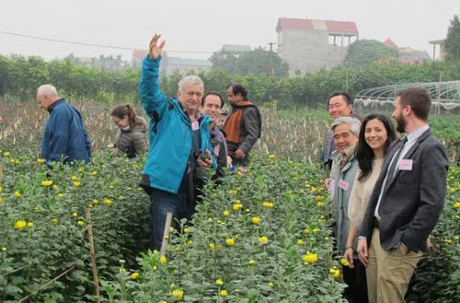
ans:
(344, 170)
(406, 203)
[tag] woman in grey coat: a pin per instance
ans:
(131, 136)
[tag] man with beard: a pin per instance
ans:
(406, 203)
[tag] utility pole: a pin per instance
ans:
(270, 54)
(272, 70)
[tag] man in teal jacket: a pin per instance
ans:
(179, 143)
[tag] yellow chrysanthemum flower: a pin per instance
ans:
(230, 241)
(47, 183)
(178, 294)
(93, 173)
(271, 284)
(268, 204)
(263, 240)
(80, 223)
(20, 224)
(251, 262)
(223, 293)
(271, 156)
(163, 260)
(457, 205)
(108, 202)
(41, 161)
(30, 224)
(219, 282)
(134, 275)
(226, 213)
(212, 246)
(237, 206)
(54, 221)
(255, 220)
(6, 154)
(310, 258)
(76, 183)
(299, 241)
(74, 178)
(17, 194)
(344, 262)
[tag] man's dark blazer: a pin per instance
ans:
(413, 201)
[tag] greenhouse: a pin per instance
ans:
(445, 97)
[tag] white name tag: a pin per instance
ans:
(216, 149)
(195, 125)
(343, 184)
(405, 164)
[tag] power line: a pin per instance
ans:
(91, 44)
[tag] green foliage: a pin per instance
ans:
(361, 53)
(258, 62)
(43, 224)
(452, 44)
(250, 238)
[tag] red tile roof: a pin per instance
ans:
(311, 24)
(389, 43)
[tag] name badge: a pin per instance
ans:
(343, 184)
(195, 125)
(405, 164)
(216, 149)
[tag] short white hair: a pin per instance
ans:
(189, 79)
(47, 89)
(354, 124)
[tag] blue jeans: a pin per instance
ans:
(163, 202)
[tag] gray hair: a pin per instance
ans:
(187, 80)
(354, 124)
(47, 89)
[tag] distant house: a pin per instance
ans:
(234, 50)
(139, 55)
(169, 64)
(408, 55)
(308, 45)
(184, 65)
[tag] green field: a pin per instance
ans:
(261, 236)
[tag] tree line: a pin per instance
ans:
(20, 76)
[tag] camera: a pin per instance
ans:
(201, 155)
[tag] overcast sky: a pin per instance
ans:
(197, 28)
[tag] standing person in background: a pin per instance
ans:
(344, 168)
(339, 105)
(406, 202)
(243, 125)
(376, 135)
(132, 130)
(179, 143)
(211, 105)
(65, 135)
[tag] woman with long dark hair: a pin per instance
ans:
(376, 134)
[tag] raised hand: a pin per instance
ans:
(154, 48)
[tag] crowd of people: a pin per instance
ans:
(387, 193)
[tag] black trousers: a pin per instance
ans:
(356, 291)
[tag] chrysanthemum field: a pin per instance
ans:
(263, 235)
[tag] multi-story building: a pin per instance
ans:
(308, 45)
